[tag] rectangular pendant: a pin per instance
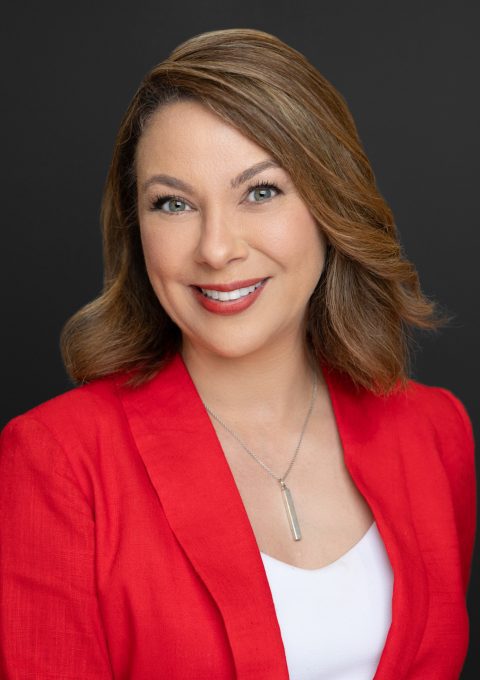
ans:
(291, 514)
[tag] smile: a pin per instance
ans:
(229, 298)
(226, 296)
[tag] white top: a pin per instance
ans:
(334, 620)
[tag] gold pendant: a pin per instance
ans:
(291, 514)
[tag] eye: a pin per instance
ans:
(262, 192)
(170, 204)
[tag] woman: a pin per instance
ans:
(246, 484)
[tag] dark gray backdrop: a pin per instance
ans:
(408, 71)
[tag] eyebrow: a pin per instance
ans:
(244, 176)
(252, 171)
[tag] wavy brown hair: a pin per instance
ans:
(368, 298)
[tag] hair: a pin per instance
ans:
(368, 298)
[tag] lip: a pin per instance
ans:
(230, 306)
(228, 287)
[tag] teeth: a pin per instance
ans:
(225, 296)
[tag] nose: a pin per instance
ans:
(220, 241)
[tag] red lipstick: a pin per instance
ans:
(227, 287)
(229, 306)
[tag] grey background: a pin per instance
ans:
(407, 70)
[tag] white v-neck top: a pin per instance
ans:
(334, 620)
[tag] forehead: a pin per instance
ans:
(186, 137)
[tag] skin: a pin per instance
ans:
(252, 368)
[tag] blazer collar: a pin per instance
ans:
(189, 471)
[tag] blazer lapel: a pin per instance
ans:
(372, 432)
(188, 469)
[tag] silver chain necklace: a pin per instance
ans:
(286, 493)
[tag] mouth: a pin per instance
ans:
(229, 298)
(228, 292)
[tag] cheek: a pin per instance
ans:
(301, 245)
(163, 267)
(162, 255)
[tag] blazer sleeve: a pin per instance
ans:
(459, 461)
(50, 624)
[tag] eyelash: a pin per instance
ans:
(159, 200)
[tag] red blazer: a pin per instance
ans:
(127, 552)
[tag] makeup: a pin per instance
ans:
(229, 298)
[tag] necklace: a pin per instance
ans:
(286, 493)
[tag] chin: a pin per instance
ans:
(228, 347)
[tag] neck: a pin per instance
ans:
(265, 386)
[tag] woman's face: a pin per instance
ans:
(231, 250)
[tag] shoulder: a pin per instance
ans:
(93, 416)
(420, 410)
(438, 409)
(431, 421)
(74, 413)
(76, 435)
